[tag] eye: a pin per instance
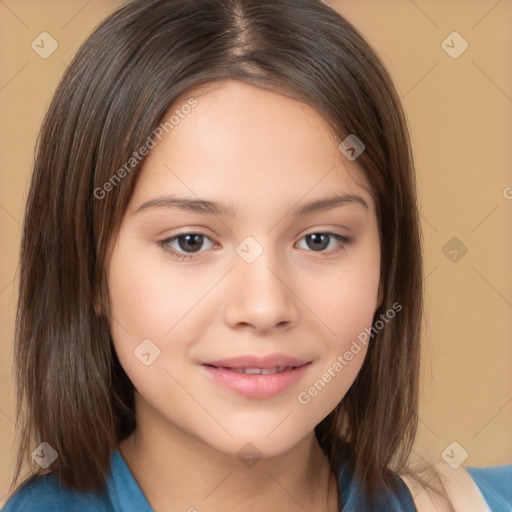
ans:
(185, 245)
(319, 241)
(188, 244)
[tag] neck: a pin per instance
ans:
(172, 467)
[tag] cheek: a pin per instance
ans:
(348, 300)
(343, 357)
(152, 300)
(144, 306)
(346, 305)
(145, 298)
(356, 304)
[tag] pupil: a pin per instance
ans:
(316, 238)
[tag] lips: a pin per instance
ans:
(257, 376)
(271, 361)
(258, 371)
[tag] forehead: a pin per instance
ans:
(248, 143)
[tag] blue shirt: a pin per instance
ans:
(123, 494)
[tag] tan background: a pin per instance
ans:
(460, 115)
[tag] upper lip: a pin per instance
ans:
(255, 361)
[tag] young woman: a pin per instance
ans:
(221, 275)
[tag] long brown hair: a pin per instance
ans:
(71, 390)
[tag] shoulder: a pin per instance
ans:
(495, 485)
(46, 494)
(470, 489)
(460, 489)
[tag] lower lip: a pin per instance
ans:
(257, 385)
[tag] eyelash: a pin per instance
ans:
(343, 240)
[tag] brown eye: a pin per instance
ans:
(185, 244)
(191, 241)
(319, 241)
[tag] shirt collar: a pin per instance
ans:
(126, 495)
(124, 491)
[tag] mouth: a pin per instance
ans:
(256, 376)
(258, 371)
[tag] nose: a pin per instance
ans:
(260, 297)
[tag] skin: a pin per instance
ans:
(460, 487)
(263, 153)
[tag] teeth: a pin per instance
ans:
(259, 371)
(250, 370)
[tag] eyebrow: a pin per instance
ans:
(229, 210)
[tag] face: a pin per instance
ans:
(240, 319)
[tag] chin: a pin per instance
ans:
(255, 443)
